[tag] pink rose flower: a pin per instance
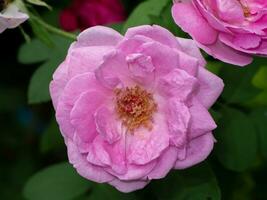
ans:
(86, 13)
(229, 30)
(132, 108)
(10, 16)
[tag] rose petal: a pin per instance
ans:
(164, 58)
(154, 32)
(86, 59)
(190, 47)
(178, 84)
(210, 87)
(165, 164)
(197, 151)
(73, 90)
(128, 186)
(145, 145)
(141, 68)
(188, 18)
(201, 120)
(106, 125)
(82, 115)
(227, 54)
(84, 168)
(57, 85)
(98, 36)
(178, 117)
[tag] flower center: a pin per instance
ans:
(245, 8)
(135, 107)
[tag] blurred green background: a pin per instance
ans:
(33, 156)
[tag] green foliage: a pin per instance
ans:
(165, 20)
(57, 182)
(214, 67)
(259, 118)
(104, 191)
(51, 138)
(39, 31)
(237, 144)
(143, 12)
(259, 79)
(196, 183)
(39, 3)
(35, 51)
(238, 87)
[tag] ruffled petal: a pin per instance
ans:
(98, 36)
(86, 59)
(230, 11)
(106, 125)
(57, 85)
(154, 32)
(164, 164)
(210, 87)
(178, 84)
(201, 121)
(190, 47)
(84, 168)
(191, 21)
(248, 43)
(178, 117)
(226, 54)
(73, 90)
(82, 115)
(141, 68)
(164, 58)
(113, 71)
(146, 145)
(197, 151)
(128, 186)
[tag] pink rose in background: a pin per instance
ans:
(133, 107)
(230, 30)
(87, 13)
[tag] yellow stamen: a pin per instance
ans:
(245, 8)
(135, 107)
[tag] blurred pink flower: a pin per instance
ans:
(87, 13)
(230, 30)
(11, 17)
(133, 107)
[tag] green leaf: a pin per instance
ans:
(116, 26)
(57, 182)
(259, 100)
(259, 80)
(51, 138)
(259, 117)
(26, 53)
(141, 14)
(39, 3)
(165, 20)
(214, 67)
(39, 85)
(238, 86)
(40, 32)
(103, 191)
(196, 183)
(237, 143)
